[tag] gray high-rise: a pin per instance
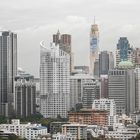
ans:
(91, 91)
(24, 99)
(103, 63)
(106, 62)
(121, 88)
(8, 70)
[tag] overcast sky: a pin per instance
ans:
(37, 20)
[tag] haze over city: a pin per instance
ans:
(37, 20)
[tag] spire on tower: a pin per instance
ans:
(58, 31)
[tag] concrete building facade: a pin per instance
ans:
(89, 116)
(25, 96)
(91, 91)
(54, 81)
(121, 88)
(8, 70)
(108, 105)
(77, 82)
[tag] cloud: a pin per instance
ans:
(36, 20)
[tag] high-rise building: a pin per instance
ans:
(137, 56)
(103, 63)
(121, 88)
(137, 71)
(77, 82)
(24, 98)
(104, 86)
(94, 46)
(8, 70)
(96, 68)
(124, 52)
(111, 60)
(54, 81)
(64, 42)
(91, 91)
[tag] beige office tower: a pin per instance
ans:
(94, 46)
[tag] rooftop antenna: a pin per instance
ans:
(58, 32)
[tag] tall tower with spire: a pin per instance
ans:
(94, 46)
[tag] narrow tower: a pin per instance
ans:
(94, 46)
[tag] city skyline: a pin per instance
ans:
(38, 20)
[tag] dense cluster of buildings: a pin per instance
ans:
(88, 96)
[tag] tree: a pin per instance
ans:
(138, 136)
(3, 119)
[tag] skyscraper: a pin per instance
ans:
(121, 88)
(54, 81)
(94, 46)
(124, 52)
(137, 56)
(91, 91)
(25, 92)
(137, 71)
(64, 42)
(8, 70)
(103, 63)
(104, 86)
(77, 82)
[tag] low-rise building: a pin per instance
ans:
(78, 131)
(122, 132)
(27, 130)
(89, 116)
(108, 105)
(60, 136)
(56, 127)
(33, 131)
(15, 127)
(4, 134)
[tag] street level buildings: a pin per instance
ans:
(27, 130)
(78, 131)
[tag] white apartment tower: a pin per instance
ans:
(54, 81)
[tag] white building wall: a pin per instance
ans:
(54, 81)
